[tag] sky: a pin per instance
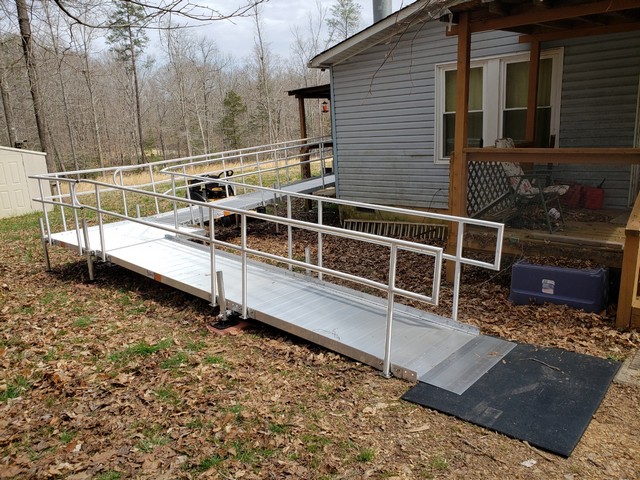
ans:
(278, 18)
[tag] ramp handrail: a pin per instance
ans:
(280, 152)
(178, 174)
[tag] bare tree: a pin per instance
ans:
(8, 61)
(127, 40)
(59, 54)
(265, 100)
(83, 43)
(89, 12)
(30, 62)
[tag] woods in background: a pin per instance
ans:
(118, 82)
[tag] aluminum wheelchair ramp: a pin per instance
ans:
(244, 201)
(425, 346)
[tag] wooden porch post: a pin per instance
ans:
(532, 94)
(458, 163)
(305, 169)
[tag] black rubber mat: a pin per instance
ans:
(545, 396)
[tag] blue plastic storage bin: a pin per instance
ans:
(586, 289)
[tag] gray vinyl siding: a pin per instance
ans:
(599, 95)
(385, 117)
(384, 113)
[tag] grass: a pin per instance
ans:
(209, 462)
(174, 362)
(315, 443)
(153, 437)
(109, 475)
(141, 349)
(66, 437)
(365, 455)
(168, 395)
(439, 463)
(83, 322)
(15, 388)
(215, 360)
(277, 428)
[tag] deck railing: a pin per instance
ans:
(628, 303)
(627, 315)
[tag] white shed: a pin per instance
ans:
(16, 188)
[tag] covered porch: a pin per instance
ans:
(614, 243)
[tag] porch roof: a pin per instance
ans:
(536, 20)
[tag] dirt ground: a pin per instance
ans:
(120, 378)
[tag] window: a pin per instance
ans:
(498, 101)
(475, 109)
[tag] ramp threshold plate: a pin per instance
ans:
(424, 346)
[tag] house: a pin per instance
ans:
(560, 77)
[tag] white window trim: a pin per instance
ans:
(493, 97)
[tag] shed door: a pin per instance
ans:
(14, 189)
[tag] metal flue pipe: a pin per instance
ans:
(381, 9)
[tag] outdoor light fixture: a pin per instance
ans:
(325, 107)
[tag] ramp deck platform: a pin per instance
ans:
(425, 347)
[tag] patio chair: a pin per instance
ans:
(536, 188)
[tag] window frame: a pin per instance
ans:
(494, 94)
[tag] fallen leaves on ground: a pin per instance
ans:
(120, 379)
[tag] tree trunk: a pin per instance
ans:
(143, 156)
(25, 35)
(8, 113)
(92, 100)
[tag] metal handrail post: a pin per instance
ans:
(212, 254)
(44, 239)
(259, 169)
(100, 224)
(153, 187)
(289, 232)
(62, 214)
(386, 367)
(286, 167)
(188, 194)
(44, 208)
(74, 202)
(124, 195)
(323, 165)
(244, 180)
(307, 259)
(175, 204)
(85, 231)
(457, 272)
(244, 265)
(224, 176)
(320, 238)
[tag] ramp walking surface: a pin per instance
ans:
(545, 396)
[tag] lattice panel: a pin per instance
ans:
(487, 183)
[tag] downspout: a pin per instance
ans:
(332, 104)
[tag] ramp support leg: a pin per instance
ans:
(225, 321)
(222, 300)
(45, 246)
(85, 231)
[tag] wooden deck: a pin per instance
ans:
(600, 241)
